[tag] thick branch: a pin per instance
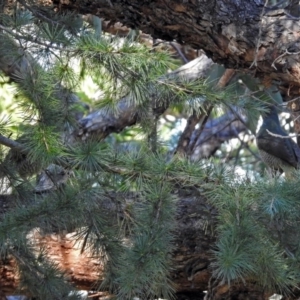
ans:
(101, 123)
(233, 33)
(11, 143)
(215, 133)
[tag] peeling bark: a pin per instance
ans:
(242, 35)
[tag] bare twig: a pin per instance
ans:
(225, 78)
(254, 63)
(175, 46)
(223, 81)
(283, 54)
(244, 144)
(200, 130)
(185, 137)
(215, 133)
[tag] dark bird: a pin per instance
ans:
(278, 152)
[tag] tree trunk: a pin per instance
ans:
(241, 35)
(194, 238)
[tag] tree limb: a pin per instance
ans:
(227, 31)
(101, 123)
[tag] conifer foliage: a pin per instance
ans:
(121, 200)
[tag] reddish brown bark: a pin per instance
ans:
(194, 235)
(81, 269)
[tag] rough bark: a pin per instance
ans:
(241, 35)
(230, 33)
(194, 236)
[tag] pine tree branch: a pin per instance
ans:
(30, 38)
(101, 123)
(194, 233)
(184, 141)
(36, 13)
(12, 66)
(12, 144)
